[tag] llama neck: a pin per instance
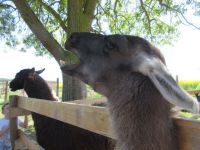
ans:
(38, 89)
(141, 117)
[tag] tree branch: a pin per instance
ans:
(5, 1)
(147, 15)
(6, 6)
(172, 9)
(89, 7)
(115, 12)
(55, 15)
(191, 24)
(54, 3)
(115, 6)
(97, 21)
(40, 31)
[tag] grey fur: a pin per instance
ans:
(132, 74)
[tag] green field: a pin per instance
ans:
(189, 84)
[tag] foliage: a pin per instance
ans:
(7, 21)
(148, 19)
(155, 20)
(186, 114)
(195, 5)
(189, 84)
(51, 21)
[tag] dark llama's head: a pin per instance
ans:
(22, 76)
(106, 58)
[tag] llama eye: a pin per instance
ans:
(108, 47)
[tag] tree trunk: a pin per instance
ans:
(80, 16)
(74, 88)
(40, 31)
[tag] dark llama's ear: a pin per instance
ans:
(40, 71)
(33, 69)
(32, 75)
(158, 73)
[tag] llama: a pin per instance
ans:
(132, 74)
(52, 134)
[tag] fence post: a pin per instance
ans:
(57, 87)
(177, 79)
(6, 92)
(13, 122)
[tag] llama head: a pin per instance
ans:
(22, 76)
(101, 55)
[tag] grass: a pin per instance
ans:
(185, 114)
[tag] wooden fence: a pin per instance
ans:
(4, 88)
(81, 114)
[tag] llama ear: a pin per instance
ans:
(33, 69)
(158, 73)
(40, 71)
(32, 74)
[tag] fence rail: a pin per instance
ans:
(95, 119)
(193, 91)
(4, 88)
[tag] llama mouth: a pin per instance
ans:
(12, 89)
(69, 67)
(75, 63)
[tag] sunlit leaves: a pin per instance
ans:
(7, 22)
(30, 40)
(155, 20)
(49, 12)
(146, 18)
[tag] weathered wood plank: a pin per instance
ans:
(188, 133)
(193, 91)
(15, 112)
(88, 102)
(95, 119)
(13, 121)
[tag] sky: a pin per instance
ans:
(183, 59)
(12, 61)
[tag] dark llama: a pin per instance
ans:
(52, 134)
(132, 74)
